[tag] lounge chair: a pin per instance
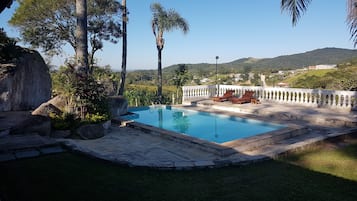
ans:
(226, 96)
(246, 98)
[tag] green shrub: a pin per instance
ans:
(65, 121)
(144, 95)
(96, 118)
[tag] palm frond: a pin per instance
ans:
(295, 8)
(352, 19)
(176, 21)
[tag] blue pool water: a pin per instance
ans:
(208, 126)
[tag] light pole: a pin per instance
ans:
(217, 57)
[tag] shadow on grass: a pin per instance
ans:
(74, 177)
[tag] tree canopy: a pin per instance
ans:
(50, 24)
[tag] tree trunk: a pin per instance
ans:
(159, 76)
(124, 51)
(81, 36)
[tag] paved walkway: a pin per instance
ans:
(14, 147)
(135, 147)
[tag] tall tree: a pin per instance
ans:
(124, 51)
(163, 21)
(81, 36)
(296, 8)
(180, 78)
(54, 23)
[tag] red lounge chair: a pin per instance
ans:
(246, 98)
(226, 96)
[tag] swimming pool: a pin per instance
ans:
(207, 126)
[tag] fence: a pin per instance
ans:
(306, 97)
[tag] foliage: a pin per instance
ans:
(90, 95)
(142, 77)
(108, 78)
(96, 118)
(82, 92)
(8, 48)
(50, 24)
(288, 62)
(66, 121)
(62, 80)
(297, 7)
(256, 81)
(181, 76)
(342, 78)
(70, 121)
(143, 95)
(163, 21)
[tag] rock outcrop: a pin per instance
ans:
(25, 82)
(45, 109)
(33, 124)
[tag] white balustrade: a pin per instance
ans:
(306, 97)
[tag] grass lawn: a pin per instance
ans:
(341, 162)
(310, 73)
(70, 176)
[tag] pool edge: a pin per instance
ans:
(223, 149)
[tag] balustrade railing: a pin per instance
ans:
(306, 97)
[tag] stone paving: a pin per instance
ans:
(133, 147)
(136, 147)
(14, 147)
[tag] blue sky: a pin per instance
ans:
(230, 29)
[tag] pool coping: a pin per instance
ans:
(222, 149)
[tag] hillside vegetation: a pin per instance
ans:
(342, 78)
(287, 62)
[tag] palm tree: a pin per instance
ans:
(81, 37)
(162, 21)
(124, 51)
(296, 8)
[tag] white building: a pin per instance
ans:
(322, 66)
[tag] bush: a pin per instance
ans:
(96, 118)
(144, 95)
(66, 121)
(83, 92)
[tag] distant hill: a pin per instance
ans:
(294, 61)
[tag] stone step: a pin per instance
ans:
(30, 152)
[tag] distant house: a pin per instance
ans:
(205, 80)
(283, 84)
(322, 66)
(236, 77)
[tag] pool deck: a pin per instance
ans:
(140, 147)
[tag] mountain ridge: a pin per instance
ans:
(329, 55)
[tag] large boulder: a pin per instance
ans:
(45, 109)
(91, 131)
(33, 124)
(25, 82)
(59, 102)
(118, 106)
(55, 106)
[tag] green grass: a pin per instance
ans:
(70, 176)
(341, 162)
(310, 73)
